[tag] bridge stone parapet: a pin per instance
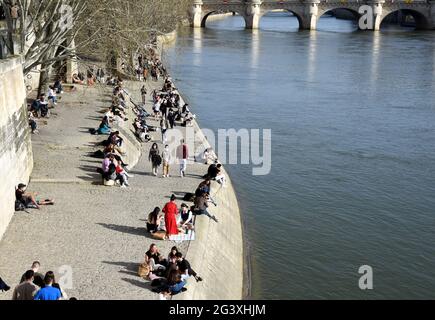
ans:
(309, 11)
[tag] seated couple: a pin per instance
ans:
(184, 220)
(113, 170)
(39, 107)
(27, 200)
(215, 172)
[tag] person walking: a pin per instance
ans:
(155, 158)
(38, 278)
(183, 155)
(166, 156)
(143, 92)
(164, 128)
(27, 289)
(49, 292)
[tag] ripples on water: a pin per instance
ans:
(353, 165)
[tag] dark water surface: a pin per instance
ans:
(353, 150)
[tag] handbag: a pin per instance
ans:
(144, 270)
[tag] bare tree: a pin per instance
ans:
(56, 30)
(43, 35)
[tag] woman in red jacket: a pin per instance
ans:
(171, 211)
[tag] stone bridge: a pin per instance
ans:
(309, 11)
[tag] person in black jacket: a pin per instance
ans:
(185, 268)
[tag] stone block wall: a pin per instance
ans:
(16, 160)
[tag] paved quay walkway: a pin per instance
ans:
(99, 232)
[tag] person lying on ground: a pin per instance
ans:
(29, 199)
(185, 268)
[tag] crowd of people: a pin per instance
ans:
(41, 106)
(169, 275)
(113, 169)
(34, 285)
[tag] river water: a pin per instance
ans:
(353, 152)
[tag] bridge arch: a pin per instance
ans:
(420, 18)
(206, 15)
(352, 11)
(299, 16)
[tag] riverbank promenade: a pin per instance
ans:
(96, 235)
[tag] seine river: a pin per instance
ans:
(352, 183)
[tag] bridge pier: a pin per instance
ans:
(312, 14)
(196, 14)
(253, 16)
(377, 14)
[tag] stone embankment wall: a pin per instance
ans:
(16, 160)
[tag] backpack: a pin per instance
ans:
(189, 197)
(144, 270)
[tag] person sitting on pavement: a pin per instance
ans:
(29, 199)
(201, 205)
(58, 86)
(154, 220)
(51, 94)
(43, 106)
(185, 220)
(176, 282)
(76, 79)
(104, 127)
(154, 259)
(35, 107)
(32, 123)
(185, 268)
